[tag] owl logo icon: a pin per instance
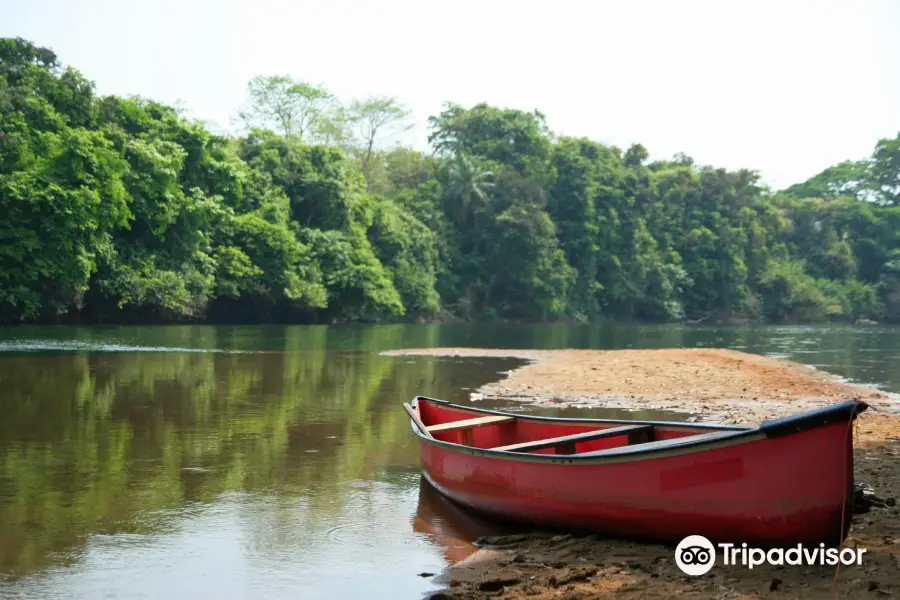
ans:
(695, 555)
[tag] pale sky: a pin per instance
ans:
(787, 87)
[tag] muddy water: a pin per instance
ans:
(270, 462)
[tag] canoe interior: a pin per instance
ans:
(536, 435)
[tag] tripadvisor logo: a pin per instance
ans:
(695, 555)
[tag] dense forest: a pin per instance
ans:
(118, 210)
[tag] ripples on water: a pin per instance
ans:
(79, 346)
(272, 462)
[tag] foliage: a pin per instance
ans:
(120, 209)
(289, 106)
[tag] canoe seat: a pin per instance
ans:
(665, 444)
(576, 437)
(469, 423)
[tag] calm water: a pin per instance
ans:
(270, 462)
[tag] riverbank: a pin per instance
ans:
(714, 385)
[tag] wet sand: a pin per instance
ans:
(714, 385)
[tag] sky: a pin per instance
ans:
(785, 87)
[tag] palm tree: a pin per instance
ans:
(468, 182)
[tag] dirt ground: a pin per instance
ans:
(715, 385)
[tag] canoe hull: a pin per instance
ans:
(767, 492)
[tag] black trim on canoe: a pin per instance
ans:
(828, 415)
(683, 424)
(838, 413)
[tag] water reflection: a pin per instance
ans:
(840, 348)
(450, 526)
(275, 463)
(121, 464)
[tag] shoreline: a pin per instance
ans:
(713, 385)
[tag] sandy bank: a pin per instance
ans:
(715, 385)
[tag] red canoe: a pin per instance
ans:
(785, 482)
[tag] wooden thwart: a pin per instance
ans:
(576, 437)
(664, 444)
(469, 423)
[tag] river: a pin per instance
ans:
(194, 462)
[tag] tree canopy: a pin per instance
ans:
(121, 210)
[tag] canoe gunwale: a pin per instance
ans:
(739, 434)
(675, 425)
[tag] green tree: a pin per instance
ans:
(369, 120)
(123, 209)
(885, 170)
(290, 106)
(467, 188)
